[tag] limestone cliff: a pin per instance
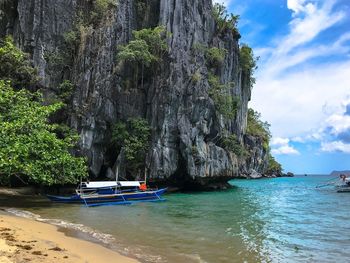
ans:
(185, 147)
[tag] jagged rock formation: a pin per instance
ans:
(185, 144)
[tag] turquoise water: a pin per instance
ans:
(268, 220)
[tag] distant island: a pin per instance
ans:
(337, 173)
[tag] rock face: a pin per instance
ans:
(186, 127)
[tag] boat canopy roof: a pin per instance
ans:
(100, 184)
(129, 183)
(106, 184)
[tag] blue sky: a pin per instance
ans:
(303, 80)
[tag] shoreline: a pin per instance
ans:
(28, 240)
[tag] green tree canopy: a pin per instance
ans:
(273, 166)
(15, 66)
(134, 137)
(224, 20)
(256, 127)
(137, 51)
(248, 62)
(225, 103)
(29, 145)
(147, 47)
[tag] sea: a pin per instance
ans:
(266, 220)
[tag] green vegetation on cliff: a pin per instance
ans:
(248, 63)
(31, 147)
(225, 103)
(273, 166)
(224, 20)
(133, 136)
(232, 144)
(257, 128)
(145, 50)
(15, 66)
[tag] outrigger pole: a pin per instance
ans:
(116, 179)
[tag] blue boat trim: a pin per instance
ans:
(123, 198)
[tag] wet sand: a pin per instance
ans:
(26, 240)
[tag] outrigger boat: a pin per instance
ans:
(111, 193)
(341, 184)
(345, 187)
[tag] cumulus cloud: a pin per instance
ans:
(298, 88)
(334, 132)
(336, 146)
(296, 5)
(280, 146)
(285, 150)
(279, 141)
(309, 20)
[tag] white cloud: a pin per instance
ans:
(336, 146)
(285, 150)
(296, 5)
(339, 123)
(297, 89)
(279, 141)
(298, 139)
(281, 146)
(295, 101)
(308, 22)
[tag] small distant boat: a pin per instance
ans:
(111, 193)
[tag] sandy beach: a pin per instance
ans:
(26, 240)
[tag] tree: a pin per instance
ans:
(225, 103)
(248, 62)
(256, 127)
(133, 136)
(273, 166)
(147, 48)
(29, 145)
(224, 21)
(15, 66)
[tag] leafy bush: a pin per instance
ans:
(99, 11)
(15, 65)
(196, 77)
(71, 39)
(232, 144)
(147, 48)
(62, 58)
(258, 128)
(65, 90)
(273, 166)
(225, 103)
(216, 56)
(29, 146)
(133, 136)
(155, 39)
(224, 21)
(248, 62)
(137, 51)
